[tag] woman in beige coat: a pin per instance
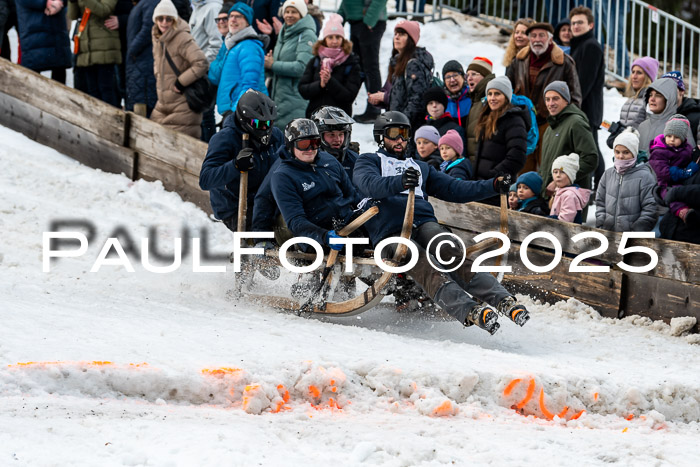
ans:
(173, 33)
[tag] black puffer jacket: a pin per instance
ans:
(341, 89)
(505, 151)
(405, 93)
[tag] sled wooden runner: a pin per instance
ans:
(367, 299)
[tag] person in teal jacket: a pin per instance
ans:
(239, 63)
(287, 62)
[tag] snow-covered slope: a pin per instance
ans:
(197, 378)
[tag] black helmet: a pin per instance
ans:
(299, 128)
(329, 118)
(256, 114)
(386, 120)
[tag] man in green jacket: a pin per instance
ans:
(367, 20)
(568, 132)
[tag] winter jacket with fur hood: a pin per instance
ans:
(625, 202)
(98, 45)
(654, 125)
(340, 91)
(291, 55)
(561, 67)
(171, 109)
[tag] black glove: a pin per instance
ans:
(410, 178)
(244, 160)
(503, 185)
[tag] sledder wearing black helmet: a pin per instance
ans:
(256, 114)
(228, 156)
(335, 127)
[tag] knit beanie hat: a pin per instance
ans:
(333, 26)
(628, 138)
(677, 125)
(569, 164)
(532, 180)
(513, 188)
(649, 65)
(428, 132)
(412, 28)
(676, 76)
(165, 8)
(452, 66)
(453, 140)
(436, 93)
(243, 9)
(226, 7)
(481, 65)
(502, 83)
(300, 5)
(561, 88)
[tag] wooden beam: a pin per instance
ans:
(677, 261)
(85, 147)
(67, 104)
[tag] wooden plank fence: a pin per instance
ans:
(101, 136)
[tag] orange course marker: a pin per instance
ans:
(578, 414)
(313, 390)
(549, 415)
(511, 386)
(443, 409)
(528, 395)
(629, 417)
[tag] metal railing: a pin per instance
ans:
(627, 29)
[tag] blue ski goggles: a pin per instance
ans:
(260, 124)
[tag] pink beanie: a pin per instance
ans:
(453, 140)
(650, 65)
(333, 26)
(412, 28)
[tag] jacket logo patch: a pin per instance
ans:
(308, 186)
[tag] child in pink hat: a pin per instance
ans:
(451, 147)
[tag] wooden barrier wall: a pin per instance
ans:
(101, 136)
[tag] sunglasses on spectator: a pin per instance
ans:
(396, 132)
(236, 16)
(307, 144)
(167, 19)
(221, 20)
(260, 124)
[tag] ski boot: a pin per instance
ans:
(485, 317)
(513, 310)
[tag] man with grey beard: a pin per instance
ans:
(533, 68)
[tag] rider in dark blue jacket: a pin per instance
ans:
(387, 176)
(312, 190)
(226, 157)
(335, 127)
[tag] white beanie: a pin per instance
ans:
(165, 8)
(300, 5)
(629, 138)
(569, 164)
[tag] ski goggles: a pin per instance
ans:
(307, 144)
(396, 132)
(260, 124)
